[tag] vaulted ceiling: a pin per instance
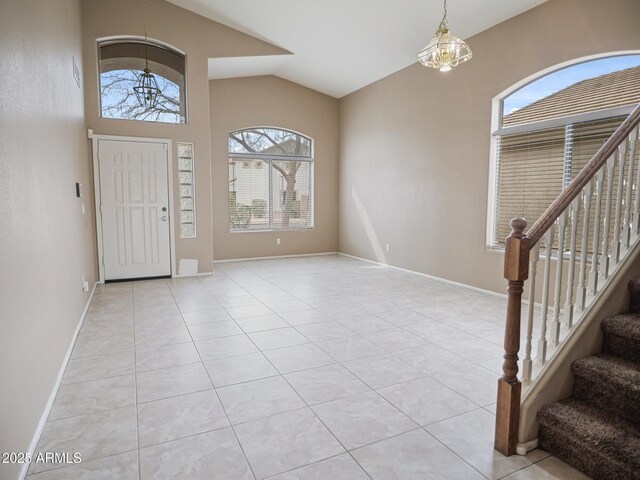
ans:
(339, 46)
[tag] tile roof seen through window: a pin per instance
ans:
(611, 90)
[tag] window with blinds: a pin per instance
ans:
(534, 167)
(530, 176)
(548, 130)
(270, 180)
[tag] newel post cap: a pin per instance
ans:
(517, 227)
(516, 258)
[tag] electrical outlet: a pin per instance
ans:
(85, 285)
(277, 241)
(388, 247)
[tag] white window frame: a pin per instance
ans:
(193, 190)
(151, 41)
(497, 131)
(267, 159)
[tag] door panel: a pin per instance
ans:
(134, 195)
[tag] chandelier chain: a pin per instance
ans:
(146, 87)
(146, 43)
(443, 22)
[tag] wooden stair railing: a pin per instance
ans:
(614, 165)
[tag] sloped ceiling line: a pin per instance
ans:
(341, 46)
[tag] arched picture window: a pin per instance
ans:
(122, 63)
(270, 180)
(547, 131)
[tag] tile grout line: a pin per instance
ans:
(257, 297)
(135, 379)
(308, 407)
(224, 409)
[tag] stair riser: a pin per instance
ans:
(600, 393)
(592, 462)
(622, 347)
(634, 296)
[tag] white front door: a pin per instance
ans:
(134, 201)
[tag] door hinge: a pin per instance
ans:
(102, 260)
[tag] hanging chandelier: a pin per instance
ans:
(445, 50)
(146, 88)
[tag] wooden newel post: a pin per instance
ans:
(516, 271)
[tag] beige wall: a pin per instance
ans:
(200, 39)
(47, 244)
(414, 146)
(270, 101)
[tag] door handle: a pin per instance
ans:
(164, 218)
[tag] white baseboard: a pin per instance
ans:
(277, 256)
(432, 277)
(52, 396)
(201, 274)
(524, 448)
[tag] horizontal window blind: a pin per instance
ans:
(291, 194)
(586, 139)
(249, 200)
(267, 194)
(534, 167)
(530, 174)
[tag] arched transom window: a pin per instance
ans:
(122, 63)
(270, 180)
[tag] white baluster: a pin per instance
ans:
(636, 208)
(615, 243)
(604, 256)
(527, 363)
(567, 319)
(594, 275)
(584, 248)
(554, 334)
(542, 342)
(626, 233)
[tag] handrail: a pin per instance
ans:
(565, 209)
(562, 202)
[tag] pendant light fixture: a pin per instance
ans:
(146, 88)
(445, 50)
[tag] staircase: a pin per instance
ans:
(597, 429)
(586, 241)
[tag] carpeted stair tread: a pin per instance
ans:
(601, 445)
(609, 383)
(624, 325)
(622, 336)
(624, 373)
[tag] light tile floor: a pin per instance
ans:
(310, 368)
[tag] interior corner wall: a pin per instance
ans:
(271, 101)
(415, 146)
(47, 243)
(200, 39)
